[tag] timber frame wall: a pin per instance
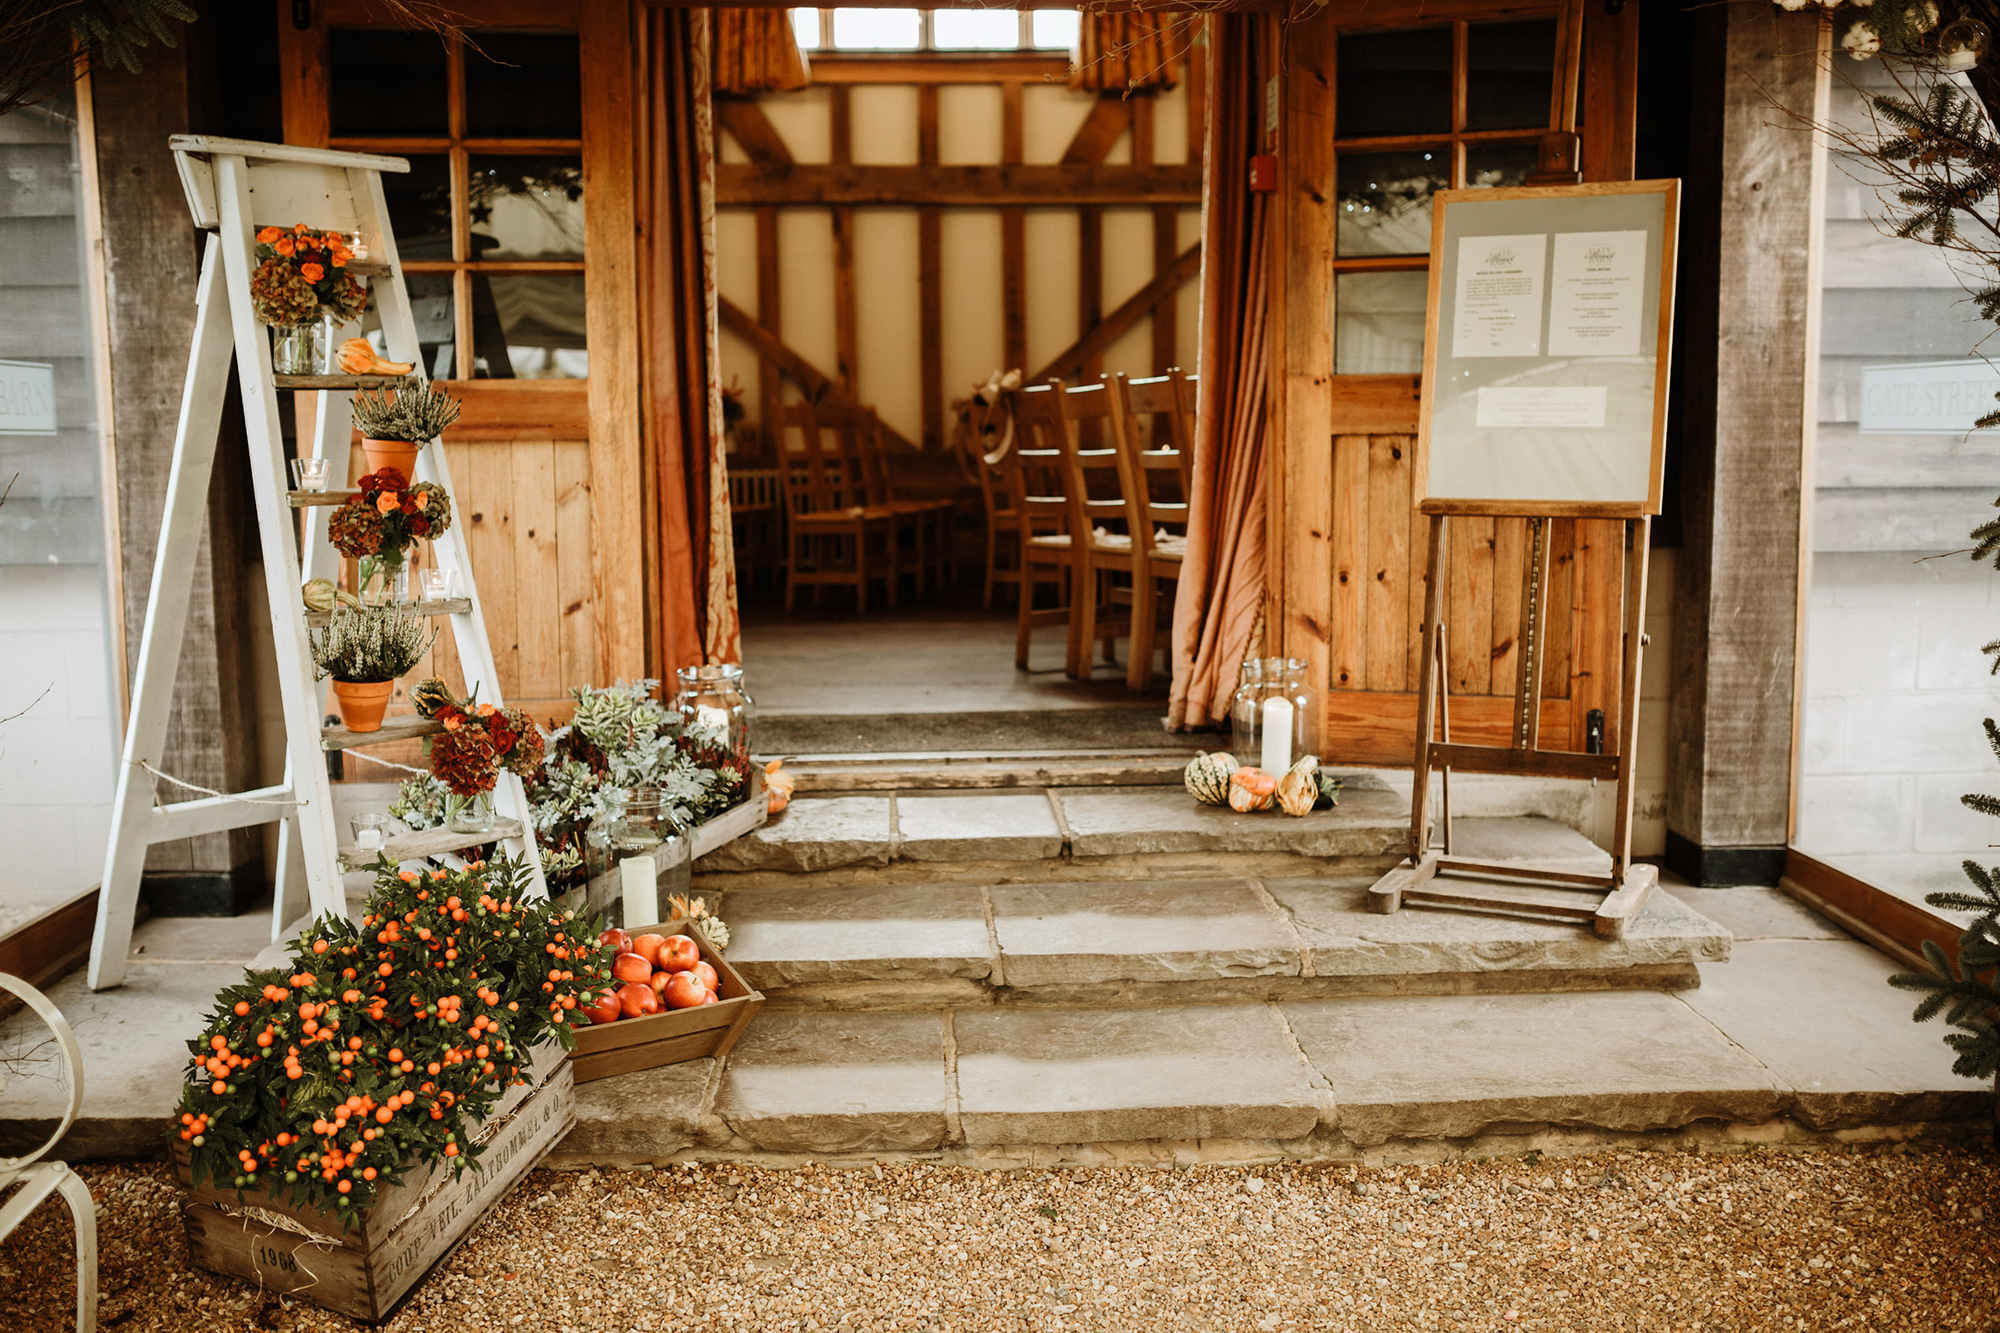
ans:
(773, 182)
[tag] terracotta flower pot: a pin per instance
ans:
(362, 703)
(398, 454)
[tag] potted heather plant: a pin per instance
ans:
(364, 650)
(395, 423)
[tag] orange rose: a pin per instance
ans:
(422, 499)
(299, 228)
(269, 234)
(312, 272)
(386, 503)
(341, 254)
(484, 710)
(452, 724)
(283, 245)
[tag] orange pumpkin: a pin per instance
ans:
(1251, 789)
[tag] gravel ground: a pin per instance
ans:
(1610, 1241)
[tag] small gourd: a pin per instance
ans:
(1298, 790)
(1251, 789)
(430, 695)
(321, 595)
(1207, 777)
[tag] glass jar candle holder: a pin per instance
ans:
(714, 706)
(309, 474)
(1274, 715)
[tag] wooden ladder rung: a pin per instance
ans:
(431, 842)
(392, 729)
(313, 383)
(440, 606)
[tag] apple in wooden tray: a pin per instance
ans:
(653, 973)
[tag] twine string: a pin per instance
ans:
(157, 776)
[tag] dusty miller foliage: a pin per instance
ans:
(1935, 145)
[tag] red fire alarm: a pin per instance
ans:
(1264, 172)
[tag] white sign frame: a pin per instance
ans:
(1505, 426)
(42, 376)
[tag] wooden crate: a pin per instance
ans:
(366, 1271)
(674, 1036)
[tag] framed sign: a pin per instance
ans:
(1546, 349)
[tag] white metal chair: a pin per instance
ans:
(33, 1180)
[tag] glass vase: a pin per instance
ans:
(326, 344)
(1274, 715)
(469, 814)
(714, 706)
(301, 349)
(385, 578)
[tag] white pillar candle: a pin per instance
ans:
(1275, 756)
(369, 840)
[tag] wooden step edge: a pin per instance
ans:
(442, 606)
(431, 842)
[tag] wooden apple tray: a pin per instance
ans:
(366, 1271)
(674, 1036)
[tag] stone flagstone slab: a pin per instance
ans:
(1345, 939)
(977, 826)
(1084, 1076)
(1822, 1015)
(1454, 1066)
(134, 1044)
(834, 1082)
(1125, 821)
(892, 932)
(1754, 913)
(1138, 930)
(646, 1115)
(813, 833)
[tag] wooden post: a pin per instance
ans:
(1753, 234)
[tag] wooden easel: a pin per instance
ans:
(1619, 894)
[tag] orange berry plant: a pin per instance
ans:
(382, 1046)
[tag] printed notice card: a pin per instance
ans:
(1597, 296)
(1499, 296)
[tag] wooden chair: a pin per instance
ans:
(1159, 526)
(926, 522)
(757, 518)
(831, 529)
(1053, 479)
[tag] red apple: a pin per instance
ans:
(658, 981)
(708, 997)
(636, 998)
(684, 991)
(603, 1009)
(678, 953)
(631, 967)
(616, 940)
(707, 975)
(648, 947)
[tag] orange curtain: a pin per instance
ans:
(1221, 590)
(697, 616)
(1131, 53)
(756, 52)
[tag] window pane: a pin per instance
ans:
(876, 29)
(526, 84)
(420, 206)
(1490, 165)
(528, 326)
(363, 65)
(975, 29)
(526, 207)
(1058, 28)
(1378, 323)
(1383, 201)
(805, 28)
(1393, 83)
(1509, 70)
(432, 307)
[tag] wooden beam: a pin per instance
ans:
(846, 321)
(1107, 120)
(1113, 326)
(930, 280)
(770, 314)
(1013, 242)
(812, 381)
(739, 184)
(753, 130)
(1166, 240)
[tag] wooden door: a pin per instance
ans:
(516, 230)
(1380, 112)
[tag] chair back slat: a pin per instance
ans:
(820, 470)
(1168, 400)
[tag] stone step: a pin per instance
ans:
(1064, 940)
(1055, 833)
(827, 774)
(1794, 1040)
(1098, 726)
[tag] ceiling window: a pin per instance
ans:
(883, 30)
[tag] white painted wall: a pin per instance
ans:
(885, 131)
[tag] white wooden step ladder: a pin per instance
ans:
(234, 188)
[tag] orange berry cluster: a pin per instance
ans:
(389, 1040)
